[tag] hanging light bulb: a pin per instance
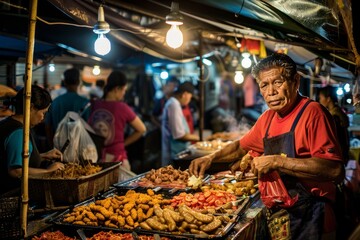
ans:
(52, 67)
(96, 70)
(102, 45)
(239, 76)
(174, 37)
(164, 74)
(246, 61)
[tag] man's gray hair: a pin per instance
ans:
(276, 60)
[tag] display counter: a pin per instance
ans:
(242, 221)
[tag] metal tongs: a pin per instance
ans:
(240, 177)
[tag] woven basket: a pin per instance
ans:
(10, 218)
(57, 192)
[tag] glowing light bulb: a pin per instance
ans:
(164, 75)
(52, 67)
(96, 70)
(246, 62)
(347, 87)
(339, 91)
(174, 37)
(102, 45)
(239, 77)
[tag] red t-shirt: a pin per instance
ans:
(108, 119)
(314, 137)
(189, 118)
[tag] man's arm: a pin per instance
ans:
(189, 137)
(230, 151)
(317, 169)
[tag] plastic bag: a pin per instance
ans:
(125, 174)
(273, 191)
(71, 130)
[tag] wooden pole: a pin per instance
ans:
(201, 89)
(27, 100)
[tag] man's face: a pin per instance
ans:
(279, 93)
(185, 98)
(323, 100)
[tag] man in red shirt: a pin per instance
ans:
(296, 138)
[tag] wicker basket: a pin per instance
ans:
(56, 192)
(10, 218)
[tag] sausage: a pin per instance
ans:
(145, 226)
(159, 213)
(201, 217)
(175, 215)
(187, 216)
(212, 226)
(170, 221)
(156, 225)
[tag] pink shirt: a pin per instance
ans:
(108, 119)
(251, 89)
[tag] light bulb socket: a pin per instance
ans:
(245, 54)
(101, 27)
(174, 17)
(239, 68)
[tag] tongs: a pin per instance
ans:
(240, 176)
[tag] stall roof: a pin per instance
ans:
(138, 27)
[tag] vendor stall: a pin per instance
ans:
(164, 204)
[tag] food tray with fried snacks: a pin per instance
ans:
(140, 213)
(54, 192)
(164, 177)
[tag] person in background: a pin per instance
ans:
(5, 94)
(328, 98)
(59, 91)
(98, 91)
(345, 213)
(253, 102)
(11, 140)
(295, 137)
(168, 89)
(176, 134)
(70, 101)
(109, 117)
(226, 95)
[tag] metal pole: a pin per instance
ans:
(201, 89)
(27, 100)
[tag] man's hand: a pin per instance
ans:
(263, 164)
(199, 165)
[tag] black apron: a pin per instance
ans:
(307, 214)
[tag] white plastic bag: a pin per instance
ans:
(72, 128)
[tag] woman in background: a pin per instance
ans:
(109, 117)
(11, 140)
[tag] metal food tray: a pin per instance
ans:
(132, 184)
(57, 221)
(84, 234)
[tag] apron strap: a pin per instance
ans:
(299, 115)
(267, 129)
